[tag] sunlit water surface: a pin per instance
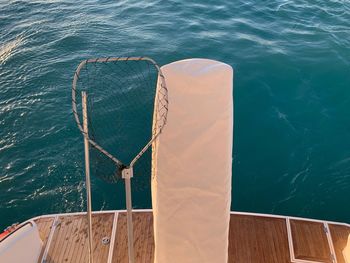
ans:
(292, 97)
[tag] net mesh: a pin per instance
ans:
(123, 95)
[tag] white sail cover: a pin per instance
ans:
(191, 164)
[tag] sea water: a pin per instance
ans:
(291, 90)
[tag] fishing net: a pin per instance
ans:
(123, 94)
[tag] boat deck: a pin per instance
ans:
(253, 238)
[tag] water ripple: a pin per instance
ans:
(291, 61)
(8, 49)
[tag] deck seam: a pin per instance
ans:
(114, 231)
(48, 243)
(330, 243)
(290, 240)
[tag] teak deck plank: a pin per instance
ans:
(70, 240)
(310, 241)
(252, 239)
(44, 225)
(340, 236)
(143, 238)
(258, 240)
(70, 252)
(81, 238)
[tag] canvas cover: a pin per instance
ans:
(191, 164)
(24, 245)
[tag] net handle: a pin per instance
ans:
(74, 103)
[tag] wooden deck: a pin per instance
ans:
(252, 239)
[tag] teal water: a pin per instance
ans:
(292, 97)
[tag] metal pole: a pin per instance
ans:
(87, 173)
(127, 175)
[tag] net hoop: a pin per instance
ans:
(156, 132)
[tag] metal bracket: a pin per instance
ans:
(105, 240)
(325, 229)
(127, 173)
(333, 257)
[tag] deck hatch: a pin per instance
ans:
(310, 242)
